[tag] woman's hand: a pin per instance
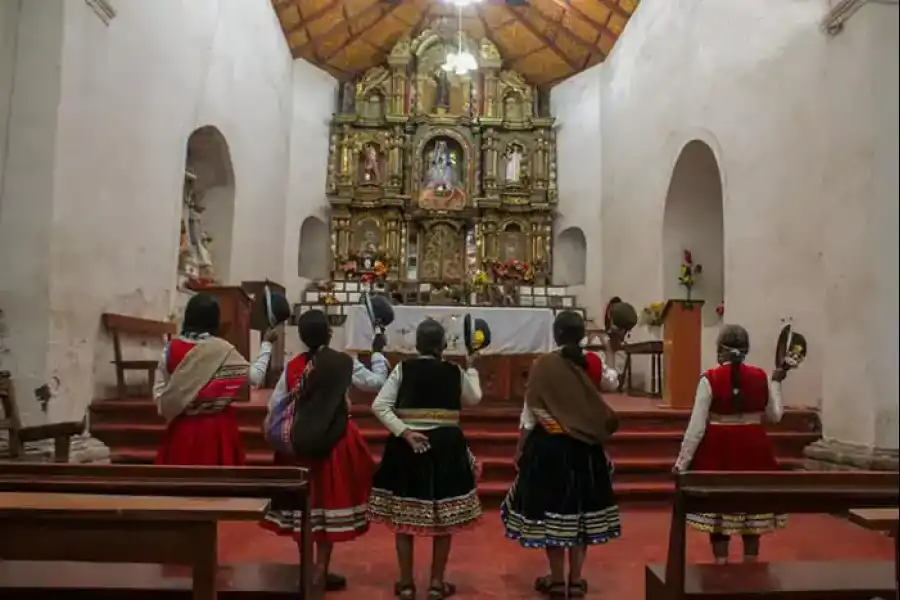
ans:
(779, 375)
(271, 335)
(417, 440)
(471, 359)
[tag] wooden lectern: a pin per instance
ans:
(259, 321)
(682, 329)
(234, 323)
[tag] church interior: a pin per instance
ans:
(707, 162)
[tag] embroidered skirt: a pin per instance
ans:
(339, 488)
(735, 447)
(433, 493)
(562, 496)
(211, 439)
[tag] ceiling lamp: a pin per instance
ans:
(462, 61)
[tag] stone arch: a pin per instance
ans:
(570, 257)
(693, 220)
(314, 256)
(208, 206)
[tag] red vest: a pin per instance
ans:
(594, 367)
(753, 385)
(218, 393)
(294, 370)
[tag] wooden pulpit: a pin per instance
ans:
(234, 322)
(259, 321)
(682, 329)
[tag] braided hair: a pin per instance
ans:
(568, 332)
(733, 346)
(314, 330)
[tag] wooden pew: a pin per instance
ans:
(876, 519)
(287, 486)
(119, 325)
(60, 433)
(122, 529)
(779, 492)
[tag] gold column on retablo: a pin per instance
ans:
(682, 329)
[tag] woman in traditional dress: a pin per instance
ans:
(562, 500)
(426, 482)
(340, 475)
(197, 379)
(725, 433)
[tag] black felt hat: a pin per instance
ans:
(379, 309)
(278, 309)
(791, 348)
(620, 316)
(476, 333)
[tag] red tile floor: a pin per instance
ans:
(486, 565)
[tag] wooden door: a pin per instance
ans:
(443, 253)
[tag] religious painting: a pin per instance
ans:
(443, 253)
(443, 184)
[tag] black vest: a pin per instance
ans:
(430, 383)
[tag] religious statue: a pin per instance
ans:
(442, 96)
(348, 98)
(368, 245)
(441, 170)
(194, 259)
(371, 170)
(513, 164)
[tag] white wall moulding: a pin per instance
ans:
(103, 9)
(842, 10)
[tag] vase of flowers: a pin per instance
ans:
(720, 309)
(689, 272)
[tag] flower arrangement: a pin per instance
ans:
(720, 309)
(652, 314)
(510, 270)
(353, 265)
(480, 278)
(330, 299)
(689, 272)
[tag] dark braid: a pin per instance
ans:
(734, 344)
(314, 331)
(568, 332)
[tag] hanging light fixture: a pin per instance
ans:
(462, 61)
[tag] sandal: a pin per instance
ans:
(405, 591)
(441, 591)
(556, 591)
(335, 582)
(577, 589)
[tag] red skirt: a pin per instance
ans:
(738, 447)
(339, 492)
(204, 440)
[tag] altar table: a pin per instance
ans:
(527, 331)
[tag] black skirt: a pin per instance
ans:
(433, 493)
(563, 495)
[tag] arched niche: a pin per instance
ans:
(207, 219)
(314, 258)
(694, 221)
(570, 257)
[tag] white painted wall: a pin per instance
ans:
(576, 105)
(791, 116)
(109, 177)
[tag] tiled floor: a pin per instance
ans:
(485, 565)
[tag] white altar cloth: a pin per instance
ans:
(513, 330)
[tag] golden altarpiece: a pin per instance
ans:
(440, 178)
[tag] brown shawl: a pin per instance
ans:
(562, 390)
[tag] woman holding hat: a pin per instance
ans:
(725, 433)
(425, 484)
(310, 407)
(562, 500)
(198, 377)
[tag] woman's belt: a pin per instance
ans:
(740, 419)
(429, 416)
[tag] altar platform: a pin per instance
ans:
(643, 450)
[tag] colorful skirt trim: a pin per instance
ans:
(737, 524)
(429, 494)
(339, 490)
(562, 496)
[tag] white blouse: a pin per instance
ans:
(383, 406)
(609, 382)
(700, 417)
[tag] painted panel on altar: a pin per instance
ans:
(513, 330)
(444, 183)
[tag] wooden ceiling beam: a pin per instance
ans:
(614, 7)
(560, 29)
(311, 42)
(600, 28)
(304, 21)
(543, 38)
(385, 14)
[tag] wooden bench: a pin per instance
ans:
(876, 519)
(121, 529)
(778, 492)
(287, 486)
(653, 349)
(60, 433)
(118, 325)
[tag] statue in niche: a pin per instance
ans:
(348, 98)
(194, 259)
(511, 110)
(371, 169)
(444, 187)
(512, 243)
(442, 96)
(513, 164)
